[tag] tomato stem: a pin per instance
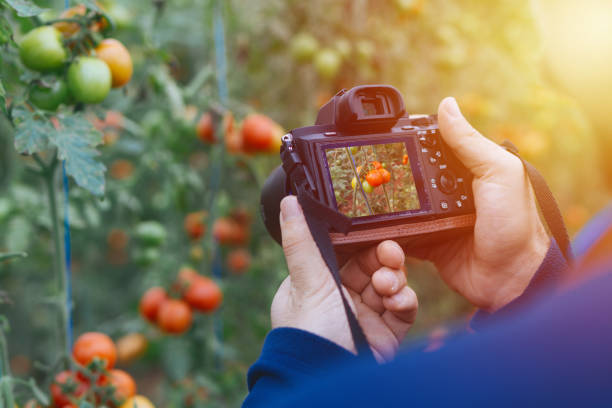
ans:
(49, 174)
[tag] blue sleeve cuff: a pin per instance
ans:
(546, 279)
(291, 355)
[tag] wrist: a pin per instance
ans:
(520, 272)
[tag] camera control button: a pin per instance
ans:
(444, 205)
(433, 160)
(428, 140)
(448, 182)
(463, 197)
(458, 203)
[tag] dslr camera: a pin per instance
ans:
(389, 172)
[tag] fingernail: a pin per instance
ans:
(290, 208)
(452, 108)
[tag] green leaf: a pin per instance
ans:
(85, 404)
(24, 8)
(76, 141)
(32, 132)
(12, 255)
(6, 33)
(18, 234)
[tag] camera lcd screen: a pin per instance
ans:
(372, 179)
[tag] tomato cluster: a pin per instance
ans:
(256, 134)
(376, 176)
(95, 379)
(79, 65)
(174, 316)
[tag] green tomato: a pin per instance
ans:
(367, 187)
(151, 233)
(89, 80)
(49, 97)
(42, 50)
(327, 63)
(303, 47)
(354, 149)
(147, 256)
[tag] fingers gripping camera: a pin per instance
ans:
(388, 171)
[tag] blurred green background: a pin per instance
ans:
(285, 58)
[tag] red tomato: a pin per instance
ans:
(174, 316)
(259, 133)
(94, 345)
(228, 231)
(125, 386)
(69, 380)
(238, 261)
(203, 295)
(374, 178)
(232, 138)
(205, 129)
(151, 301)
(117, 239)
(194, 224)
(376, 164)
(386, 176)
(121, 169)
(185, 277)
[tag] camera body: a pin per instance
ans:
(390, 172)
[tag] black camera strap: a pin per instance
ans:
(546, 201)
(320, 218)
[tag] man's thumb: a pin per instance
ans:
(475, 151)
(306, 266)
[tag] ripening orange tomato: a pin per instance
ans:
(405, 159)
(376, 164)
(228, 231)
(174, 316)
(118, 59)
(94, 345)
(151, 301)
(121, 169)
(374, 178)
(130, 347)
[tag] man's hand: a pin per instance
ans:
(493, 266)
(308, 298)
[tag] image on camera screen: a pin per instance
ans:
(372, 179)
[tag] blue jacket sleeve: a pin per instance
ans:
(291, 357)
(288, 358)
